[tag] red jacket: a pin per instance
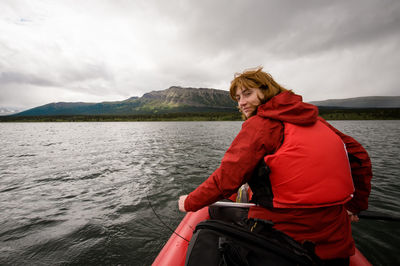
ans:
(262, 135)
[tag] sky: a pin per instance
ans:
(110, 50)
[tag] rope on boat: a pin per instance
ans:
(167, 226)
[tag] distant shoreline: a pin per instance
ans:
(326, 113)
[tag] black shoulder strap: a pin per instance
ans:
(260, 182)
(260, 185)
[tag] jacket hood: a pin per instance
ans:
(289, 107)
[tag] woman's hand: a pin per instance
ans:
(181, 203)
(353, 217)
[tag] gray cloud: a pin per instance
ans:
(23, 78)
(289, 27)
(58, 51)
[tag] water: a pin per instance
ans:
(77, 193)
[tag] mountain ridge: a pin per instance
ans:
(178, 99)
(361, 102)
(172, 100)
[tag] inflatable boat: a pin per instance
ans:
(174, 251)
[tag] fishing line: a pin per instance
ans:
(173, 231)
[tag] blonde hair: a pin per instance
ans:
(256, 78)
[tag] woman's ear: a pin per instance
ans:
(261, 97)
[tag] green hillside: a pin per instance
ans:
(172, 100)
(178, 103)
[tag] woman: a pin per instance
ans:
(306, 186)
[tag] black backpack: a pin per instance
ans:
(216, 242)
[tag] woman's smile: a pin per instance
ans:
(248, 100)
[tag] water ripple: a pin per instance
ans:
(78, 193)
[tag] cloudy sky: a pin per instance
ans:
(109, 50)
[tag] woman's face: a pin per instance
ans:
(248, 100)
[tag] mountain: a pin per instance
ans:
(172, 100)
(187, 100)
(361, 102)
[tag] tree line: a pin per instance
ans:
(328, 114)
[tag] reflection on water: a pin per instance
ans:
(76, 193)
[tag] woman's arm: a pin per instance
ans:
(257, 138)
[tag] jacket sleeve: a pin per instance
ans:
(361, 171)
(257, 137)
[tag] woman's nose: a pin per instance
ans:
(242, 102)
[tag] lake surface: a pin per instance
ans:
(77, 193)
